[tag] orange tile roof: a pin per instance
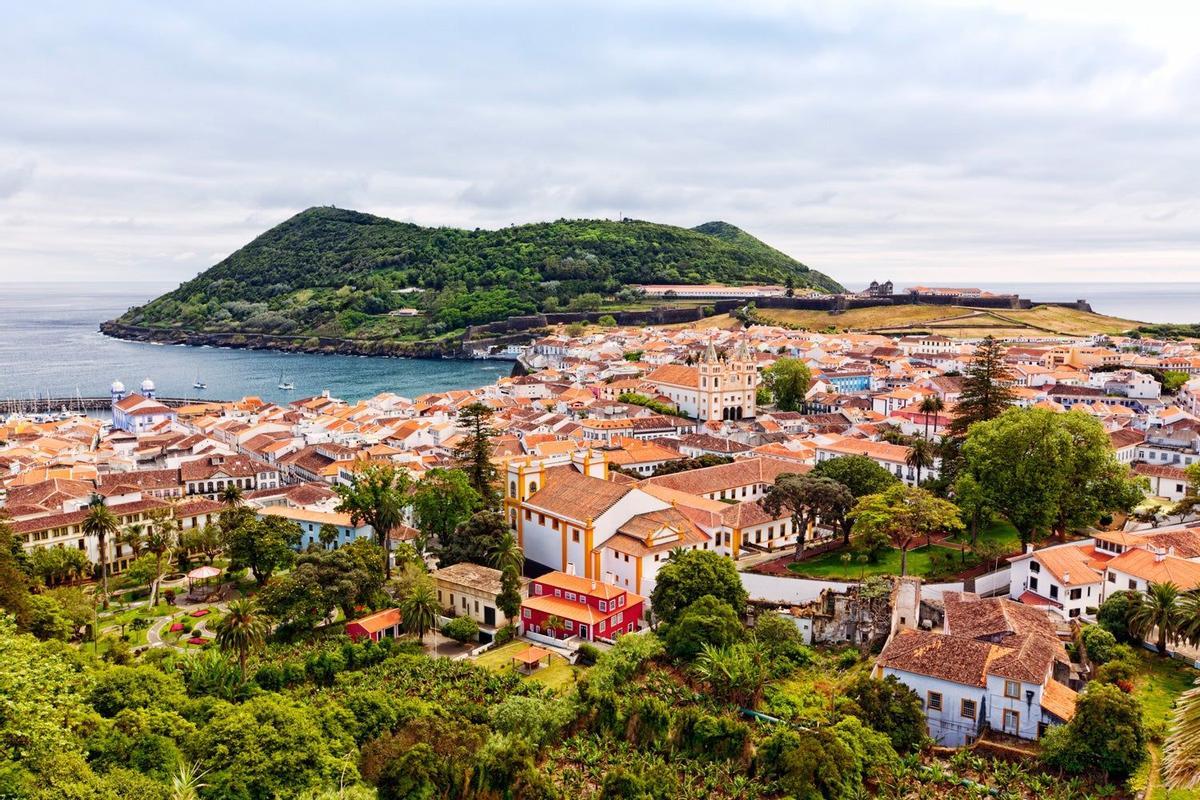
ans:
(380, 620)
(675, 375)
(574, 583)
(1059, 700)
(1147, 566)
(574, 495)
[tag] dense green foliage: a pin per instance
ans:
(335, 272)
(1106, 734)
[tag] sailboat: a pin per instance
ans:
(199, 384)
(284, 384)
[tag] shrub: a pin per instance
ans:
(505, 635)
(588, 654)
(706, 621)
(269, 677)
(1099, 643)
(1122, 666)
(890, 707)
(1114, 613)
(461, 629)
(1106, 734)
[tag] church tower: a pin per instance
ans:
(711, 371)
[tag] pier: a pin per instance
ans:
(54, 405)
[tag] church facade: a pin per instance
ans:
(714, 389)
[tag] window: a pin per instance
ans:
(621, 600)
(1035, 566)
(603, 605)
(1112, 577)
(1012, 689)
(558, 592)
(569, 625)
(1033, 584)
(575, 536)
(1132, 584)
(525, 613)
(1053, 592)
(1074, 612)
(570, 595)
(1012, 721)
(967, 709)
(618, 618)
(935, 701)
(1075, 594)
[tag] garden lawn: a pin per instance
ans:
(559, 676)
(1159, 684)
(829, 566)
(1000, 530)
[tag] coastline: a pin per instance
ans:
(315, 345)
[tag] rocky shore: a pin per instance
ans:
(453, 348)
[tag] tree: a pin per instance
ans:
(1098, 643)
(808, 498)
(15, 578)
(788, 380)
(861, 475)
(208, 540)
(1116, 611)
(1106, 734)
(931, 406)
(442, 501)
(986, 391)
(101, 523)
(241, 631)
(891, 708)
(508, 554)
(509, 599)
(1181, 756)
(1044, 470)
(707, 621)
(920, 456)
(474, 453)
(377, 495)
(262, 545)
(328, 535)
(904, 513)
(683, 580)
(162, 534)
(231, 495)
(970, 497)
(131, 537)
(420, 608)
(1159, 611)
(475, 540)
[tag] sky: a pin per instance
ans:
(949, 143)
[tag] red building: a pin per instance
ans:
(588, 609)
(374, 626)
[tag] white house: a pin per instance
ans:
(995, 664)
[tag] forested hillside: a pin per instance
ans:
(334, 272)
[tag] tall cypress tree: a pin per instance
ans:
(986, 393)
(474, 454)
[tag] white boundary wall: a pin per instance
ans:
(795, 591)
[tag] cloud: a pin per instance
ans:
(940, 137)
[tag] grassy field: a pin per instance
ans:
(955, 321)
(1000, 530)
(1161, 681)
(558, 676)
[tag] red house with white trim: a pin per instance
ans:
(388, 622)
(588, 609)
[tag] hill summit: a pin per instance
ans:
(340, 273)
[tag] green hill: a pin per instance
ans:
(334, 272)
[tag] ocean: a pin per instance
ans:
(50, 345)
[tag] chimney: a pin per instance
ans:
(1159, 554)
(1171, 550)
(1029, 547)
(1066, 578)
(570, 567)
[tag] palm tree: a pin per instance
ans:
(931, 405)
(508, 554)
(920, 456)
(243, 629)
(101, 523)
(1189, 618)
(420, 608)
(1160, 609)
(231, 495)
(132, 536)
(185, 783)
(1181, 758)
(554, 624)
